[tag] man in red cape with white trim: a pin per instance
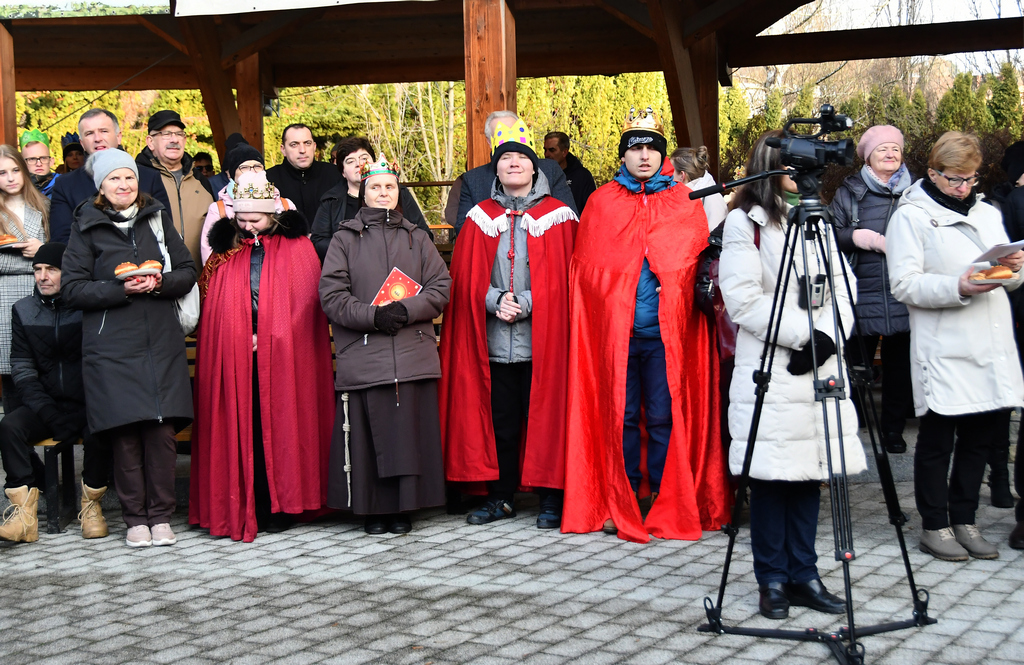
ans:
(637, 336)
(505, 342)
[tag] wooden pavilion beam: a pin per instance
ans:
(8, 106)
(490, 49)
(667, 19)
(204, 49)
(105, 78)
(250, 100)
(894, 42)
(261, 36)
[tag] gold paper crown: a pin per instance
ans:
(646, 119)
(515, 133)
(253, 191)
(379, 167)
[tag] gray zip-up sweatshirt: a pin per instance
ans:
(512, 342)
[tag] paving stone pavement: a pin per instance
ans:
(488, 595)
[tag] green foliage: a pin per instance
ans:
(1005, 104)
(963, 109)
(803, 107)
(80, 9)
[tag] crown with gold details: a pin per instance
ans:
(518, 132)
(380, 167)
(647, 120)
(254, 190)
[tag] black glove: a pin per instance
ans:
(390, 318)
(63, 425)
(800, 362)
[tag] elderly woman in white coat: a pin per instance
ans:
(962, 345)
(789, 459)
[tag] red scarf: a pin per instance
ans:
(296, 389)
(467, 429)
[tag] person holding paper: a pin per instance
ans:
(383, 283)
(264, 400)
(504, 352)
(962, 342)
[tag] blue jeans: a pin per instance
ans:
(783, 524)
(646, 380)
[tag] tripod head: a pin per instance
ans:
(807, 155)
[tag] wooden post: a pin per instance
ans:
(204, 50)
(8, 106)
(691, 78)
(250, 99)
(490, 43)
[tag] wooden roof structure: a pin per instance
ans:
(486, 42)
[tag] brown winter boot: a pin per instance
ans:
(91, 515)
(20, 523)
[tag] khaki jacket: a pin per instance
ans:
(189, 201)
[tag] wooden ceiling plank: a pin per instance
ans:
(161, 33)
(714, 17)
(625, 12)
(265, 34)
(103, 78)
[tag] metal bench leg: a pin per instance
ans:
(68, 491)
(51, 490)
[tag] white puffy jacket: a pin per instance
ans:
(791, 433)
(714, 205)
(962, 350)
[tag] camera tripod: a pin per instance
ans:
(811, 221)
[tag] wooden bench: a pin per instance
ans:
(59, 486)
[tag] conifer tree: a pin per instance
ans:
(1005, 104)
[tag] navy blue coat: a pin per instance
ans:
(73, 188)
(878, 312)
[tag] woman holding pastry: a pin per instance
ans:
(386, 456)
(133, 350)
(962, 343)
(264, 393)
(24, 227)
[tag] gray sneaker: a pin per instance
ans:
(942, 544)
(162, 534)
(138, 536)
(969, 536)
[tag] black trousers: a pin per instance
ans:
(783, 526)
(897, 389)
(21, 428)
(510, 409)
(260, 482)
(11, 400)
(1018, 478)
(966, 439)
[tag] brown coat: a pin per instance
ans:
(361, 255)
(190, 201)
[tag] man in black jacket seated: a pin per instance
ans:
(477, 183)
(46, 364)
(341, 202)
(300, 177)
(98, 130)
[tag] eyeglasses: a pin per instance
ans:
(956, 181)
(169, 135)
(37, 160)
(255, 168)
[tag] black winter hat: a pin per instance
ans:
(161, 119)
(231, 141)
(51, 253)
(242, 152)
(1013, 161)
(514, 146)
(634, 137)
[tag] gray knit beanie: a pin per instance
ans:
(102, 163)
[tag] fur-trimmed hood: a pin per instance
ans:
(224, 235)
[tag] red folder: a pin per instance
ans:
(397, 286)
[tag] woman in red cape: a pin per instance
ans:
(618, 230)
(264, 395)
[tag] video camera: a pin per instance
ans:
(806, 152)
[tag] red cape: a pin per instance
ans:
(465, 389)
(617, 230)
(296, 389)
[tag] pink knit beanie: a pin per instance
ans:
(876, 136)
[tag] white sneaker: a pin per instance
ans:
(138, 536)
(162, 535)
